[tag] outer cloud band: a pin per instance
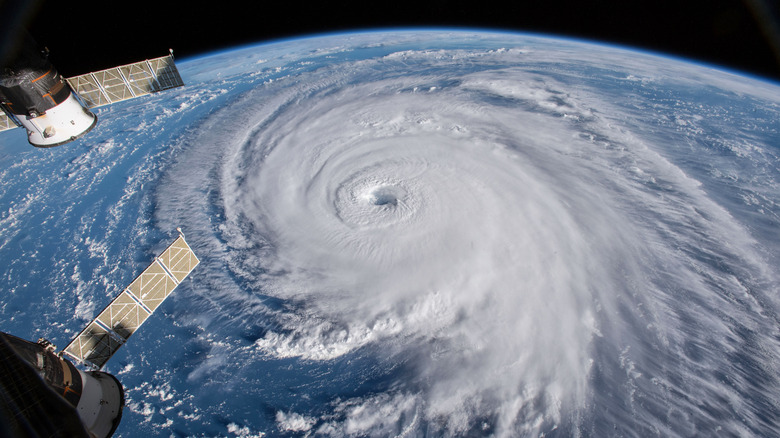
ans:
(496, 232)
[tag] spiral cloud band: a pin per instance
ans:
(511, 248)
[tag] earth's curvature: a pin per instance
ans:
(421, 234)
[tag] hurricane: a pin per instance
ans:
(511, 239)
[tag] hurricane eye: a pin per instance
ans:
(384, 196)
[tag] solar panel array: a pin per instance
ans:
(6, 122)
(103, 336)
(126, 81)
(119, 83)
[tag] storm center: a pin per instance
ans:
(385, 196)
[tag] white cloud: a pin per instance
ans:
(294, 422)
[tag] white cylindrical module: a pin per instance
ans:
(60, 124)
(101, 403)
(42, 392)
(37, 97)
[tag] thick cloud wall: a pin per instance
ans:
(514, 257)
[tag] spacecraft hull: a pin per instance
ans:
(37, 386)
(61, 124)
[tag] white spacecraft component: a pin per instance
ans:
(54, 110)
(95, 345)
(60, 124)
(33, 95)
(43, 394)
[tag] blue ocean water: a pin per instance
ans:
(583, 241)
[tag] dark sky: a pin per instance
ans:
(84, 36)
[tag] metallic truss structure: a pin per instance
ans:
(102, 337)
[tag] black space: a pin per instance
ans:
(85, 36)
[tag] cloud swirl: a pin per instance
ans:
(515, 252)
